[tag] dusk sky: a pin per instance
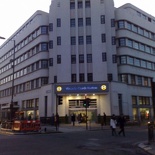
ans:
(14, 13)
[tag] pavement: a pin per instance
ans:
(148, 147)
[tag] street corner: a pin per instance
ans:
(147, 147)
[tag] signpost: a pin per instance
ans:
(86, 104)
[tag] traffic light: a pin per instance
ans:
(60, 100)
(86, 103)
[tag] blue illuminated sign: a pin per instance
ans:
(82, 88)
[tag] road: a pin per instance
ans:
(98, 142)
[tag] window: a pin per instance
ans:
(80, 4)
(146, 83)
(143, 63)
(44, 64)
(121, 24)
(44, 46)
(88, 21)
(89, 58)
(44, 81)
(44, 30)
(122, 42)
(114, 58)
(133, 79)
(87, 4)
(51, 62)
(139, 80)
(123, 60)
(88, 39)
(58, 22)
(55, 79)
(129, 26)
(103, 38)
(104, 57)
(142, 47)
(130, 43)
(149, 65)
(73, 77)
(37, 83)
(80, 22)
(58, 59)
(102, 19)
(81, 77)
(73, 59)
(72, 23)
(124, 78)
(59, 40)
(90, 77)
(135, 28)
(141, 31)
(136, 62)
(136, 45)
(134, 100)
(72, 5)
(80, 40)
(81, 58)
(50, 26)
(113, 40)
(112, 22)
(51, 44)
(73, 40)
(130, 60)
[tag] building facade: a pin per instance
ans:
(80, 49)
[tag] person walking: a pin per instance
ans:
(113, 123)
(73, 119)
(121, 125)
(56, 119)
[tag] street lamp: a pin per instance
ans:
(2, 37)
(13, 71)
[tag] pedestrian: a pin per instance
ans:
(104, 119)
(56, 119)
(113, 123)
(73, 119)
(121, 123)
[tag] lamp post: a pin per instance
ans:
(12, 92)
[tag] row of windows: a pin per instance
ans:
(23, 28)
(80, 4)
(42, 64)
(81, 59)
(82, 77)
(145, 17)
(32, 36)
(136, 45)
(27, 86)
(81, 40)
(25, 56)
(32, 103)
(81, 22)
(136, 29)
(135, 80)
(140, 100)
(137, 62)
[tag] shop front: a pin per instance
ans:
(73, 97)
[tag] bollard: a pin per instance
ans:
(150, 132)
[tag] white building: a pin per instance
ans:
(81, 49)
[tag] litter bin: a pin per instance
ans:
(150, 132)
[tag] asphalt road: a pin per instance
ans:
(99, 142)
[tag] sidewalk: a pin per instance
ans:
(147, 147)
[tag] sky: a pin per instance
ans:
(14, 13)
